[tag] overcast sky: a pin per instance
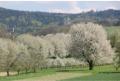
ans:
(61, 6)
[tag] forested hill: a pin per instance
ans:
(25, 21)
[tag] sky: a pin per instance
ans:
(61, 6)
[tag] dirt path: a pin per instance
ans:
(56, 77)
(5, 74)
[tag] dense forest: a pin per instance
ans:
(36, 22)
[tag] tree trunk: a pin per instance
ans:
(34, 70)
(18, 71)
(91, 65)
(26, 70)
(8, 74)
(116, 68)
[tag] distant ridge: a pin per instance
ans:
(27, 21)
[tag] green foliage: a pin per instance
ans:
(25, 21)
(114, 37)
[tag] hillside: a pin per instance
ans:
(25, 21)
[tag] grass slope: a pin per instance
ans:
(100, 73)
(112, 29)
(56, 77)
(98, 77)
(106, 73)
(40, 73)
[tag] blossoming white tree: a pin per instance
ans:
(8, 50)
(58, 48)
(34, 48)
(89, 43)
(22, 61)
(59, 42)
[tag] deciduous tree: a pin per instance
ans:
(89, 43)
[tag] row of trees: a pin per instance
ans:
(84, 44)
(115, 43)
(27, 52)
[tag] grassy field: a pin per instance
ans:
(112, 29)
(98, 77)
(28, 75)
(106, 73)
(100, 73)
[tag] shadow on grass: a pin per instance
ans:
(108, 72)
(70, 70)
